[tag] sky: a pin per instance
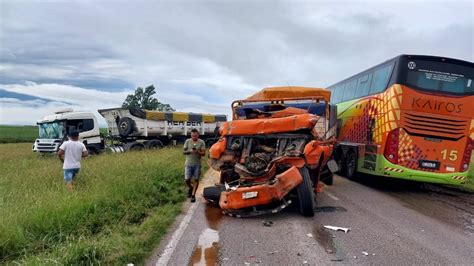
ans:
(202, 55)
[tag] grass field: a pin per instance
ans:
(121, 207)
(15, 134)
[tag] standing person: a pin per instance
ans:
(70, 153)
(194, 149)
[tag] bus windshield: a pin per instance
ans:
(51, 130)
(440, 77)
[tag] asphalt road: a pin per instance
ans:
(392, 222)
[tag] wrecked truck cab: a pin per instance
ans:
(272, 152)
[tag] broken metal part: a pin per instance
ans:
(337, 228)
(245, 214)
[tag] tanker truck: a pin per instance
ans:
(127, 129)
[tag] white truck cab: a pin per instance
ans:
(53, 130)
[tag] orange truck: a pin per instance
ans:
(275, 150)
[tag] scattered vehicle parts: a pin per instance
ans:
(337, 228)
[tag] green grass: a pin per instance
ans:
(121, 207)
(15, 134)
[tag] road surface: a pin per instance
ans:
(391, 222)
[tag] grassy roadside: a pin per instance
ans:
(15, 134)
(121, 208)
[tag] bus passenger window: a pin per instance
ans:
(349, 89)
(363, 85)
(380, 79)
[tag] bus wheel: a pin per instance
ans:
(306, 194)
(351, 165)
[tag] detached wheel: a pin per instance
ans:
(351, 165)
(126, 126)
(213, 194)
(306, 194)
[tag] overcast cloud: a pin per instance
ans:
(201, 55)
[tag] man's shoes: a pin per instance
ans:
(190, 192)
(193, 198)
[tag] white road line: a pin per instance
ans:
(331, 195)
(169, 249)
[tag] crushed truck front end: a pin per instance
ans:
(270, 155)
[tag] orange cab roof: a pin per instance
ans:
(274, 93)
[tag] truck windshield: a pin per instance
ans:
(52, 130)
(440, 77)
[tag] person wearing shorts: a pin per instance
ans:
(70, 153)
(194, 148)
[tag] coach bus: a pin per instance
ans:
(411, 117)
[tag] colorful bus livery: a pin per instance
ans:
(411, 117)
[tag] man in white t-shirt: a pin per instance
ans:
(71, 152)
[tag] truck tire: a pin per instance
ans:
(213, 194)
(306, 194)
(154, 144)
(126, 125)
(133, 146)
(350, 165)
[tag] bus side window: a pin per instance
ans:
(349, 89)
(380, 79)
(335, 94)
(339, 93)
(363, 85)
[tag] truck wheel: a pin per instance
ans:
(351, 165)
(154, 144)
(133, 146)
(213, 194)
(306, 194)
(125, 126)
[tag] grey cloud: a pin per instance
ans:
(226, 50)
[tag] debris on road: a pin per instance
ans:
(267, 223)
(273, 252)
(225, 259)
(337, 228)
(305, 262)
(309, 235)
(365, 253)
